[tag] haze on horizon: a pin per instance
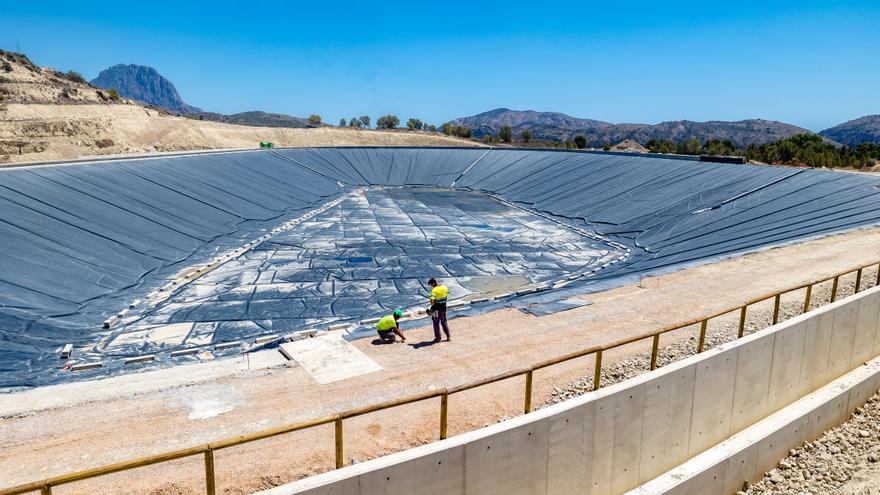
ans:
(807, 63)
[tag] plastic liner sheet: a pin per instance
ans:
(80, 242)
(370, 255)
(553, 307)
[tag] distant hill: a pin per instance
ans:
(144, 84)
(855, 132)
(259, 119)
(553, 126)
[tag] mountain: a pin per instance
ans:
(855, 132)
(553, 126)
(143, 84)
(259, 119)
(550, 126)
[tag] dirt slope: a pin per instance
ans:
(47, 115)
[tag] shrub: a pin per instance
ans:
(342, 123)
(526, 135)
(75, 77)
(505, 134)
(580, 142)
(364, 120)
(113, 94)
(315, 120)
(414, 124)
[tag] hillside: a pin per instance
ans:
(559, 127)
(855, 132)
(260, 119)
(143, 84)
(48, 115)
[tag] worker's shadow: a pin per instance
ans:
(424, 343)
(382, 342)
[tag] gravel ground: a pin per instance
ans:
(843, 460)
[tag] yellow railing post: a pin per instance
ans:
(46, 490)
(654, 350)
(527, 406)
(776, 308)
(210, 481)
(444, 410)
(702, 341)
(878, 275)
(597, 375)
(339, 443)
(834, 288)
(808, 297)
(742, 322)
(858, 281)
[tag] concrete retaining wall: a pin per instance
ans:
(627, 434)
(757, 449)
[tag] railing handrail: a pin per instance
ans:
(207, 450)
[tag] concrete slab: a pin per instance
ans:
(785, 374)
(866, 328)
(752, 386)
(329, 358)
(814, 367)
(628, 420)
(668, 403)
(570, 451)
(713, 400)
(842, 339)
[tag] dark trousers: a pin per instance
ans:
(438, 320)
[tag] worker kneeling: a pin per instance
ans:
(388, 326)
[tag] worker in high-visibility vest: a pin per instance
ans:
(439, 293)
(388, 326)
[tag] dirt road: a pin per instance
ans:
(48, 442)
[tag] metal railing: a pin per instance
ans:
(207, 450)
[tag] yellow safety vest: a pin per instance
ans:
(439, 294)
(386, 323)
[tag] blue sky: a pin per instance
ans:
(813, 64)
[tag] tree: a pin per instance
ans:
(505, 134)
(113, 94)
(387, 122)
(456, 130)
(414, 124)
(431, 128)
(342, 123)
(719, 147)
(690, 147)
(580, 141)
(526, 135)
(315, 120)
(365, 120)
(355, 122)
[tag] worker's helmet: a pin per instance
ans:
(398, 313)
